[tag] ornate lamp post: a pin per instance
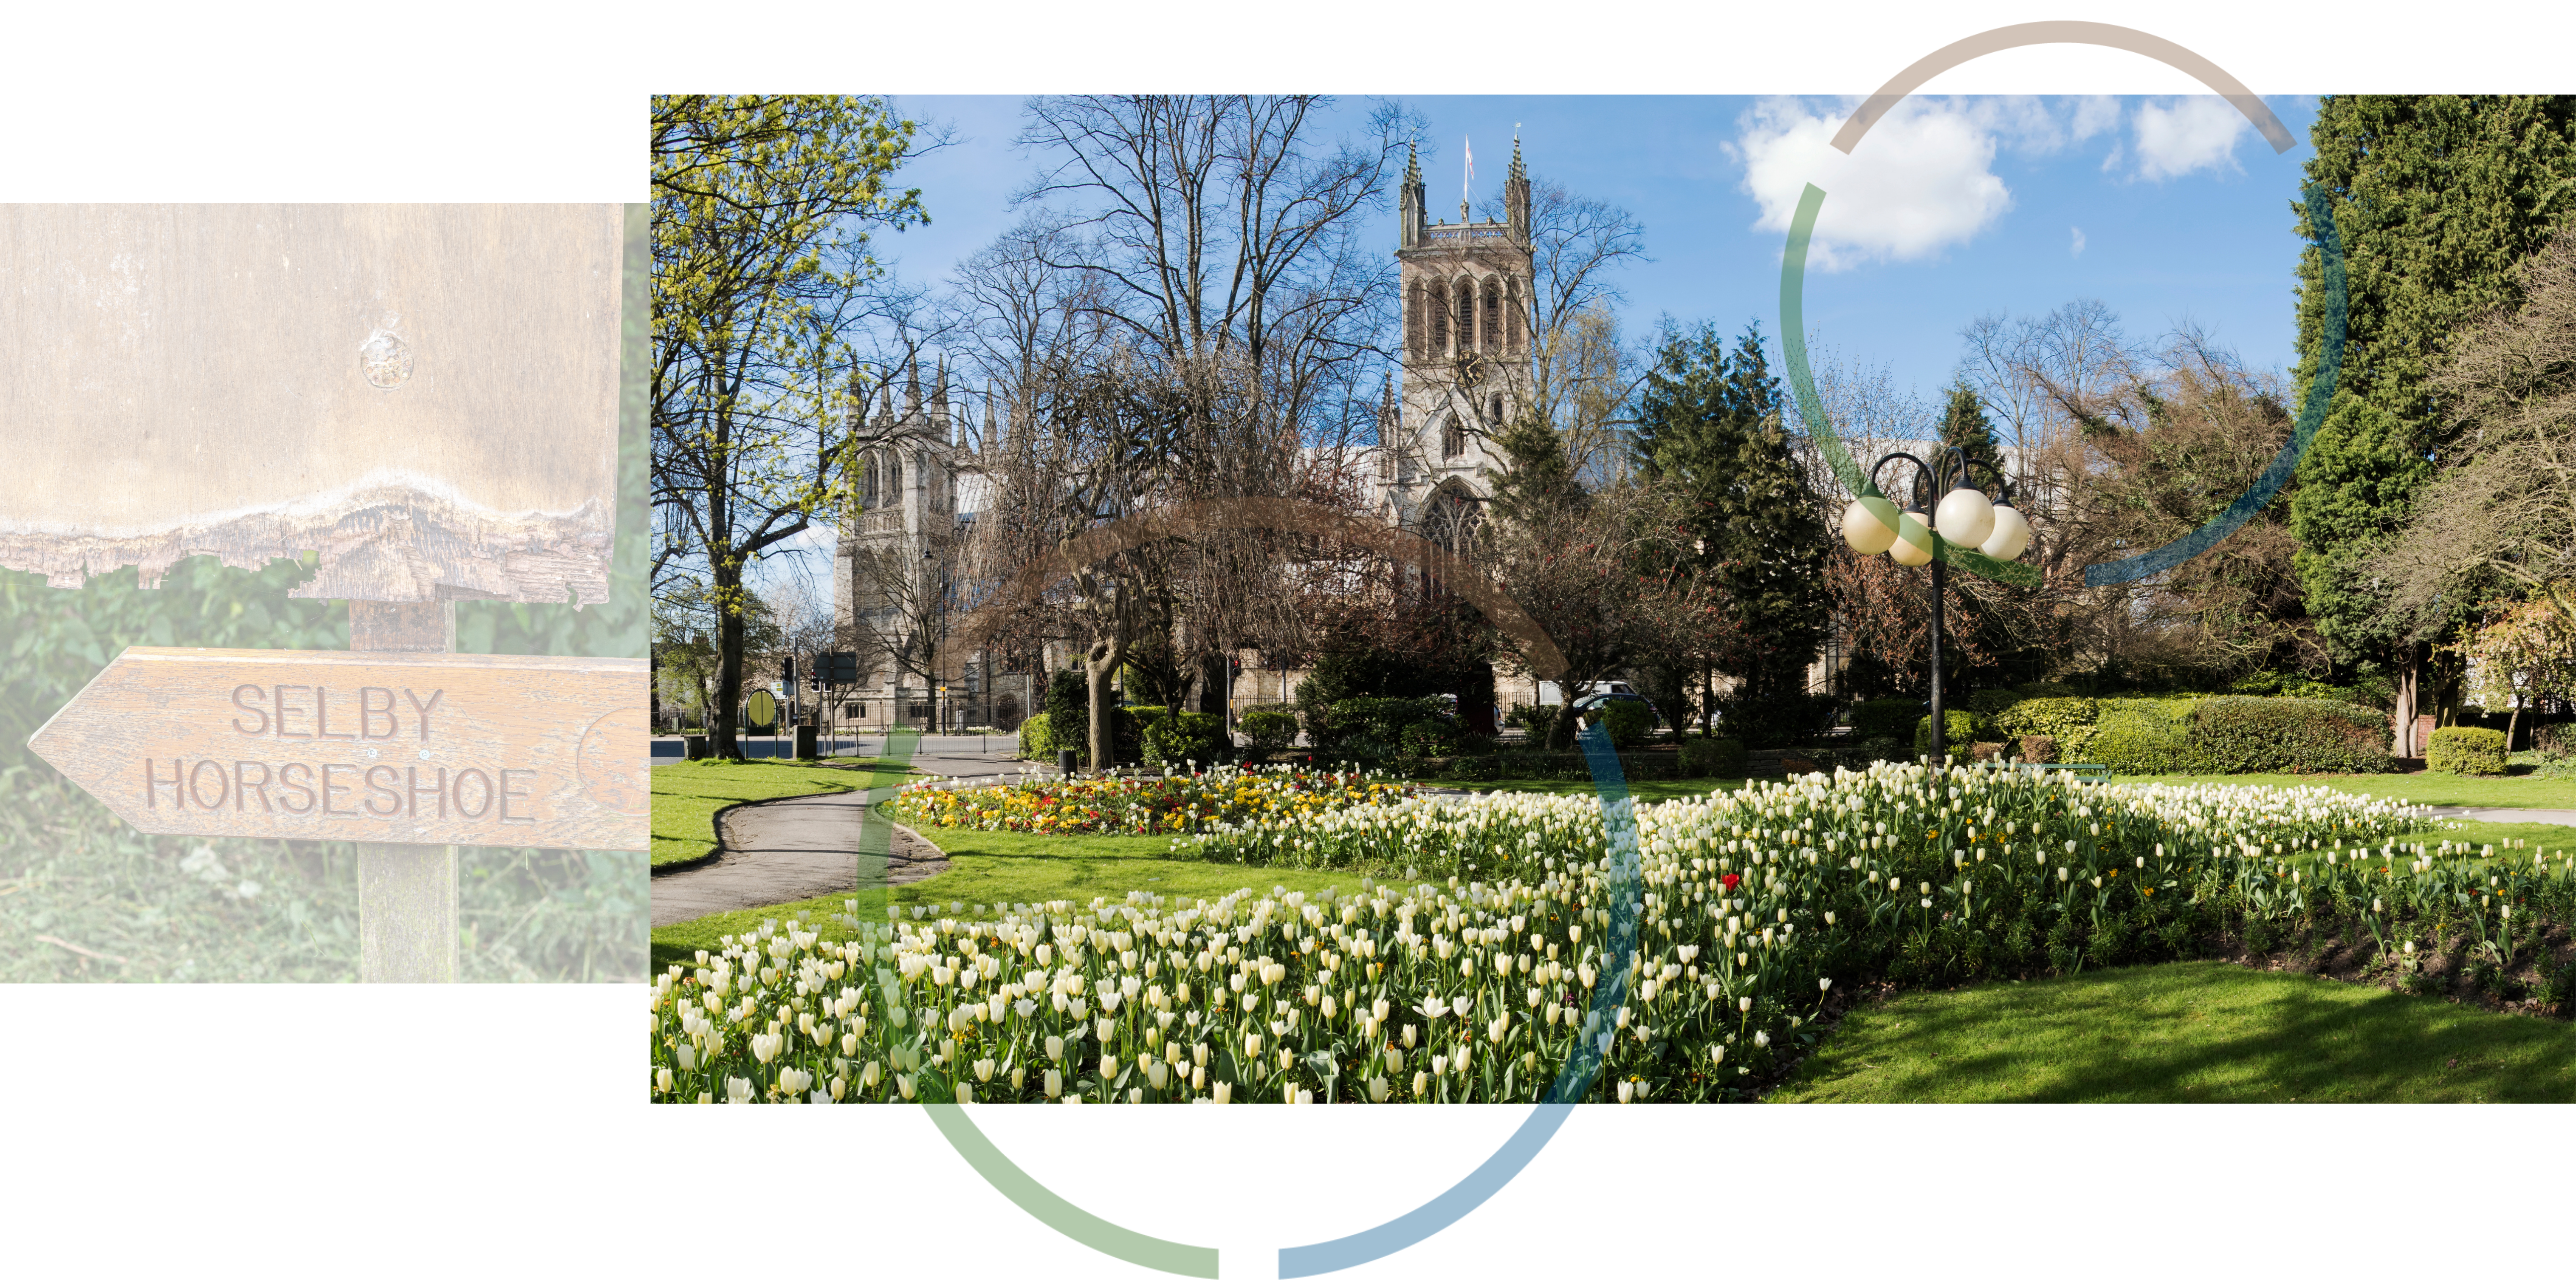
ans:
(1964, 517)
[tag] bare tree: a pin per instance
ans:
(2500, 520)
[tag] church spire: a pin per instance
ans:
(1516, 192)
(911, 386)
(1410, 210)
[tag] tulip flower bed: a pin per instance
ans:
(1192, 802)
(1503, 948)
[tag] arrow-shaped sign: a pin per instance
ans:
(408, 748)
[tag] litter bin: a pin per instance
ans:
(804, 742)
(1064, 762)
(694, 746)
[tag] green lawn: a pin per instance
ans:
(2512, 791)
(686, 797)
(2191, 1032)
(1013, 867)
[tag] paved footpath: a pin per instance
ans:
(810, 846)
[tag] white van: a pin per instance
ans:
(1550, 694)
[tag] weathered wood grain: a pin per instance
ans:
(425, 394)
(408, 931)
(393, 747)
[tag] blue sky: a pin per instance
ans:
(1951, 207)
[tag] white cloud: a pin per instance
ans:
(2079, 243)
(2186, 135)
(1921, 182)
(2095, 114)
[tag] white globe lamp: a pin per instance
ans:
(1913, 546)
(2010, 537)
(1869, 523)
(1965, 517)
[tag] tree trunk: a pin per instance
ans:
(1099, 666)
(2403, 739)
(720, 728)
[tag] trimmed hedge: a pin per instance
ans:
(2068, 721)
(1626, 722)
(1036, 742)
(2247, 735)
(2139, 736)
(1959, 731)
(1182, 736)
(2465, 749)
(1884, 717)
(1712, 758)
(1779, 720)
(1268, 730)
(1377, 722)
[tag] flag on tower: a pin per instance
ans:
(1467, 188)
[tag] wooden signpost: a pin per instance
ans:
(424, 397)
(394, 747)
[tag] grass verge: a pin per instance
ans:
(686, 797)
(1012, 867)
(2188, 1032)
(2511, 791)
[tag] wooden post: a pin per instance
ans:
(407, 922)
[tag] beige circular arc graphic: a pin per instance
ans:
(1277, 514)
(2063, 33)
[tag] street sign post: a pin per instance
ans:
(388, 747)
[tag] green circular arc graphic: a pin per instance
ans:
(1101, 1235)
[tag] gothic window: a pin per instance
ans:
(893, 478)
(1512, 324)
(1439, 303)
(1450, 522)
(1494, 411)
(868, 487)
(1492, 333)
(1453, 441)
(1415, 324)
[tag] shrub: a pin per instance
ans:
(1036, 743)
(2465, 749)
(1068, 708)
(2067, 720)
(1779, 720)
(1184, 736)
(2038, 749)
(1429, 738)
(1127, 726)
(1959, 730)
(1626, 722)
(1268, 729)
(2238, 735)
(1379, 722)
(1884, 717)
(2141, 736)
(1712, 758)
(1985, 751)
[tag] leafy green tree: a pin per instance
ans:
(2436, 199)
(762, 208)
(1709, 424)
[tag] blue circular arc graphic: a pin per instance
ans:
(1618, 808)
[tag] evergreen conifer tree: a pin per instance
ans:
(2436, 198)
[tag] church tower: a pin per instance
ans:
(1466, 351)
